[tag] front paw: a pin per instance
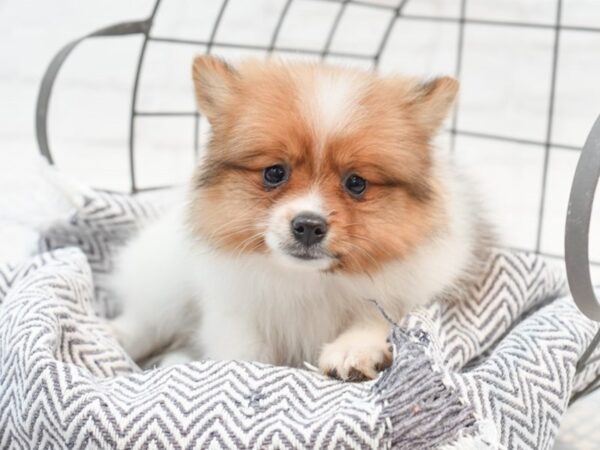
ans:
(355, 361)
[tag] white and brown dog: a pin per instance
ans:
(319, 190)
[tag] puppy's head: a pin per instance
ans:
(319, 167)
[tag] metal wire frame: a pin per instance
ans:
(577, 232)
(396, 12)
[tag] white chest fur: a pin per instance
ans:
(253, 309)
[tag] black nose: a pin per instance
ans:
(309, 229)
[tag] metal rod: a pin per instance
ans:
(593, 386)
(589, 358)
(497, 137)
(499, 23)
(460, 45)
(473, 20)
(550, 119)
(209, 46)
(149, 21)
(132, 116)
(164, 113)
(361, 3)
(49, 78)
(386, 34)
(577, 228)
(545, 254)
(333, 29)
(278, 26)
(258, 47)
(215, 29)
(588, 352)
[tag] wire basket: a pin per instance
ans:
(393, 14)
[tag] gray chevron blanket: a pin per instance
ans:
(496, 371)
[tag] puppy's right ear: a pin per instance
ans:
(433, 101)
(214, 81)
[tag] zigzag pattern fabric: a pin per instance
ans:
(493, 367)
(100, 228)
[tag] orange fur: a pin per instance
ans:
(258, 119)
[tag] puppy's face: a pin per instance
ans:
(319, 167)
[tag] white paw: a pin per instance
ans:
(352, 360)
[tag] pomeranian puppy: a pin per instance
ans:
(320, 191)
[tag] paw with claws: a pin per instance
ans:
(356, 355)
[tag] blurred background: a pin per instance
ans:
(529, 69)
(504, 56)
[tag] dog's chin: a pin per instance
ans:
(307, 263)
(287, 253)
(302, 260)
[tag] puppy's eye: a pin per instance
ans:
(355, 185)
(275, 175)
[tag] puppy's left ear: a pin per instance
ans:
(433, 100)
(214, 83)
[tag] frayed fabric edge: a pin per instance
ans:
(485, 439)
(415, 395)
